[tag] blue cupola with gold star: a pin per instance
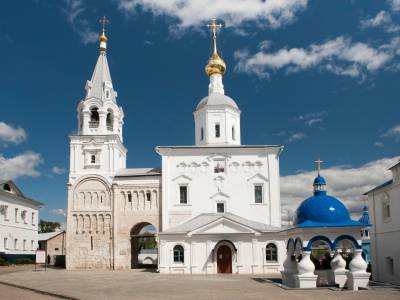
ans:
(322, 210)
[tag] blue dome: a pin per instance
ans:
(364, 219)
(319, 180)
(322, 210)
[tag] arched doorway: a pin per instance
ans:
(224, 259)
(144, 251)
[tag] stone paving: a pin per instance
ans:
(146, 285)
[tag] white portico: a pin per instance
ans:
(221, 203)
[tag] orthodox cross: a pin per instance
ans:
(319, 162)
(213, 26)
(104, 22)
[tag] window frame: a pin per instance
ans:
(186, 186)
(223, 206)
(217, 129)
(180, 257)
(271, 252)
(255, 186)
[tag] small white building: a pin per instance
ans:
(18, 221)
(384, 207)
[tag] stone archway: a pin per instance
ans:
(144, 250)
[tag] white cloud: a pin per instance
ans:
(379, 144)
(58, 170)
(21, 165)
(382, 19)
(339, 56)
(346, 183)
(73, 10)
(393, 132)
(312, 118)
(296, 137)
(394, 5)
(9, 134)
(190, 13)
(59, 212)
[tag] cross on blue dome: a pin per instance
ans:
(322, 210)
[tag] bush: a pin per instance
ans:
(24, 261)
(3, 262)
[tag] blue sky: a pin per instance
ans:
(319, 77)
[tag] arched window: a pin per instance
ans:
(179, 254)
(7, 187)
(271, 252)
(94, 117)
(110, 120)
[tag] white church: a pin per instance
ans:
(215, 205)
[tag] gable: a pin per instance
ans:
(10, 187)
(223, 226)
(257, 177)
(219, 195)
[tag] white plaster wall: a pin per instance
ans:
(20, 230)
(244, 168)
(385, 233)
(249, 258)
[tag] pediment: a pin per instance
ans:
(182, 178)
(258, 177)
(223, 226)
(220, 195)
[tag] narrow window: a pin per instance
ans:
(129, 197)
(179, 254)
(91, 242)
(94, 118)
(201, 134)
(217, 131)
(183, 194)
(220, 207)
(258, 194)
(24, 245)
(15, 244)
(93, 159)
(148, 196)
(386, 210)
(233, 133)
(16, 215)
(271, 253)
(32, 245)
(33, 218)
(5, 243)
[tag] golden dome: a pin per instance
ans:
(103, 37)
(215, 65)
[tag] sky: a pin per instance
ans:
(319, 77)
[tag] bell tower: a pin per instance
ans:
(97, 147)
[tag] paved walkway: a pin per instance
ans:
(145, 285)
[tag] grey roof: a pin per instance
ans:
(100, 75)
(18, 193)
(132, 172)
(48, 235)
(395, 165)
(379, 187)
(207, 218)
(215, 99)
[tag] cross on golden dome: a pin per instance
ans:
(104, 22)
(318, 162)
(216, 64)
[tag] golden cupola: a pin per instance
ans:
(216, 64)
(103, 37)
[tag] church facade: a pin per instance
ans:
(215, 205)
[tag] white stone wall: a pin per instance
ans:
(200, 254)
(385, 232)
(21, 226)
(244, 167)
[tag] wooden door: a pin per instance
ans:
(224, 259)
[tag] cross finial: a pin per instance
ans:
(213, 26)
(104, 22)
(318, 163)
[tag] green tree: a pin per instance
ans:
(48, 226)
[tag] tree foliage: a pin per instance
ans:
(48, 226)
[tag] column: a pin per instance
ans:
(358, 275)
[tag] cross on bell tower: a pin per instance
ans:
(103, 38)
